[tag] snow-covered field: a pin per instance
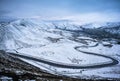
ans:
(63, 54)
(43, 40)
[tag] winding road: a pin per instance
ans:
(74, 66)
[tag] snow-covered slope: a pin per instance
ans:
(101, 24)
(23, 33)
(113, 30)
(60, 43)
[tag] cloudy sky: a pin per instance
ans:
(81, 9)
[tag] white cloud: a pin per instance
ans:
(85, 18)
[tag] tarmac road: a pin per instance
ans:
(74, 66)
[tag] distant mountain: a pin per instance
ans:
(113, 29)
(7, 19)
(27, 32)
(101, 24)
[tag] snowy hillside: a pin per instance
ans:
(101, 24)
(65, 48)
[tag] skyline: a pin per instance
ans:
(62, 9)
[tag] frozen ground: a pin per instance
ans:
(63, 46)
(55, 53)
